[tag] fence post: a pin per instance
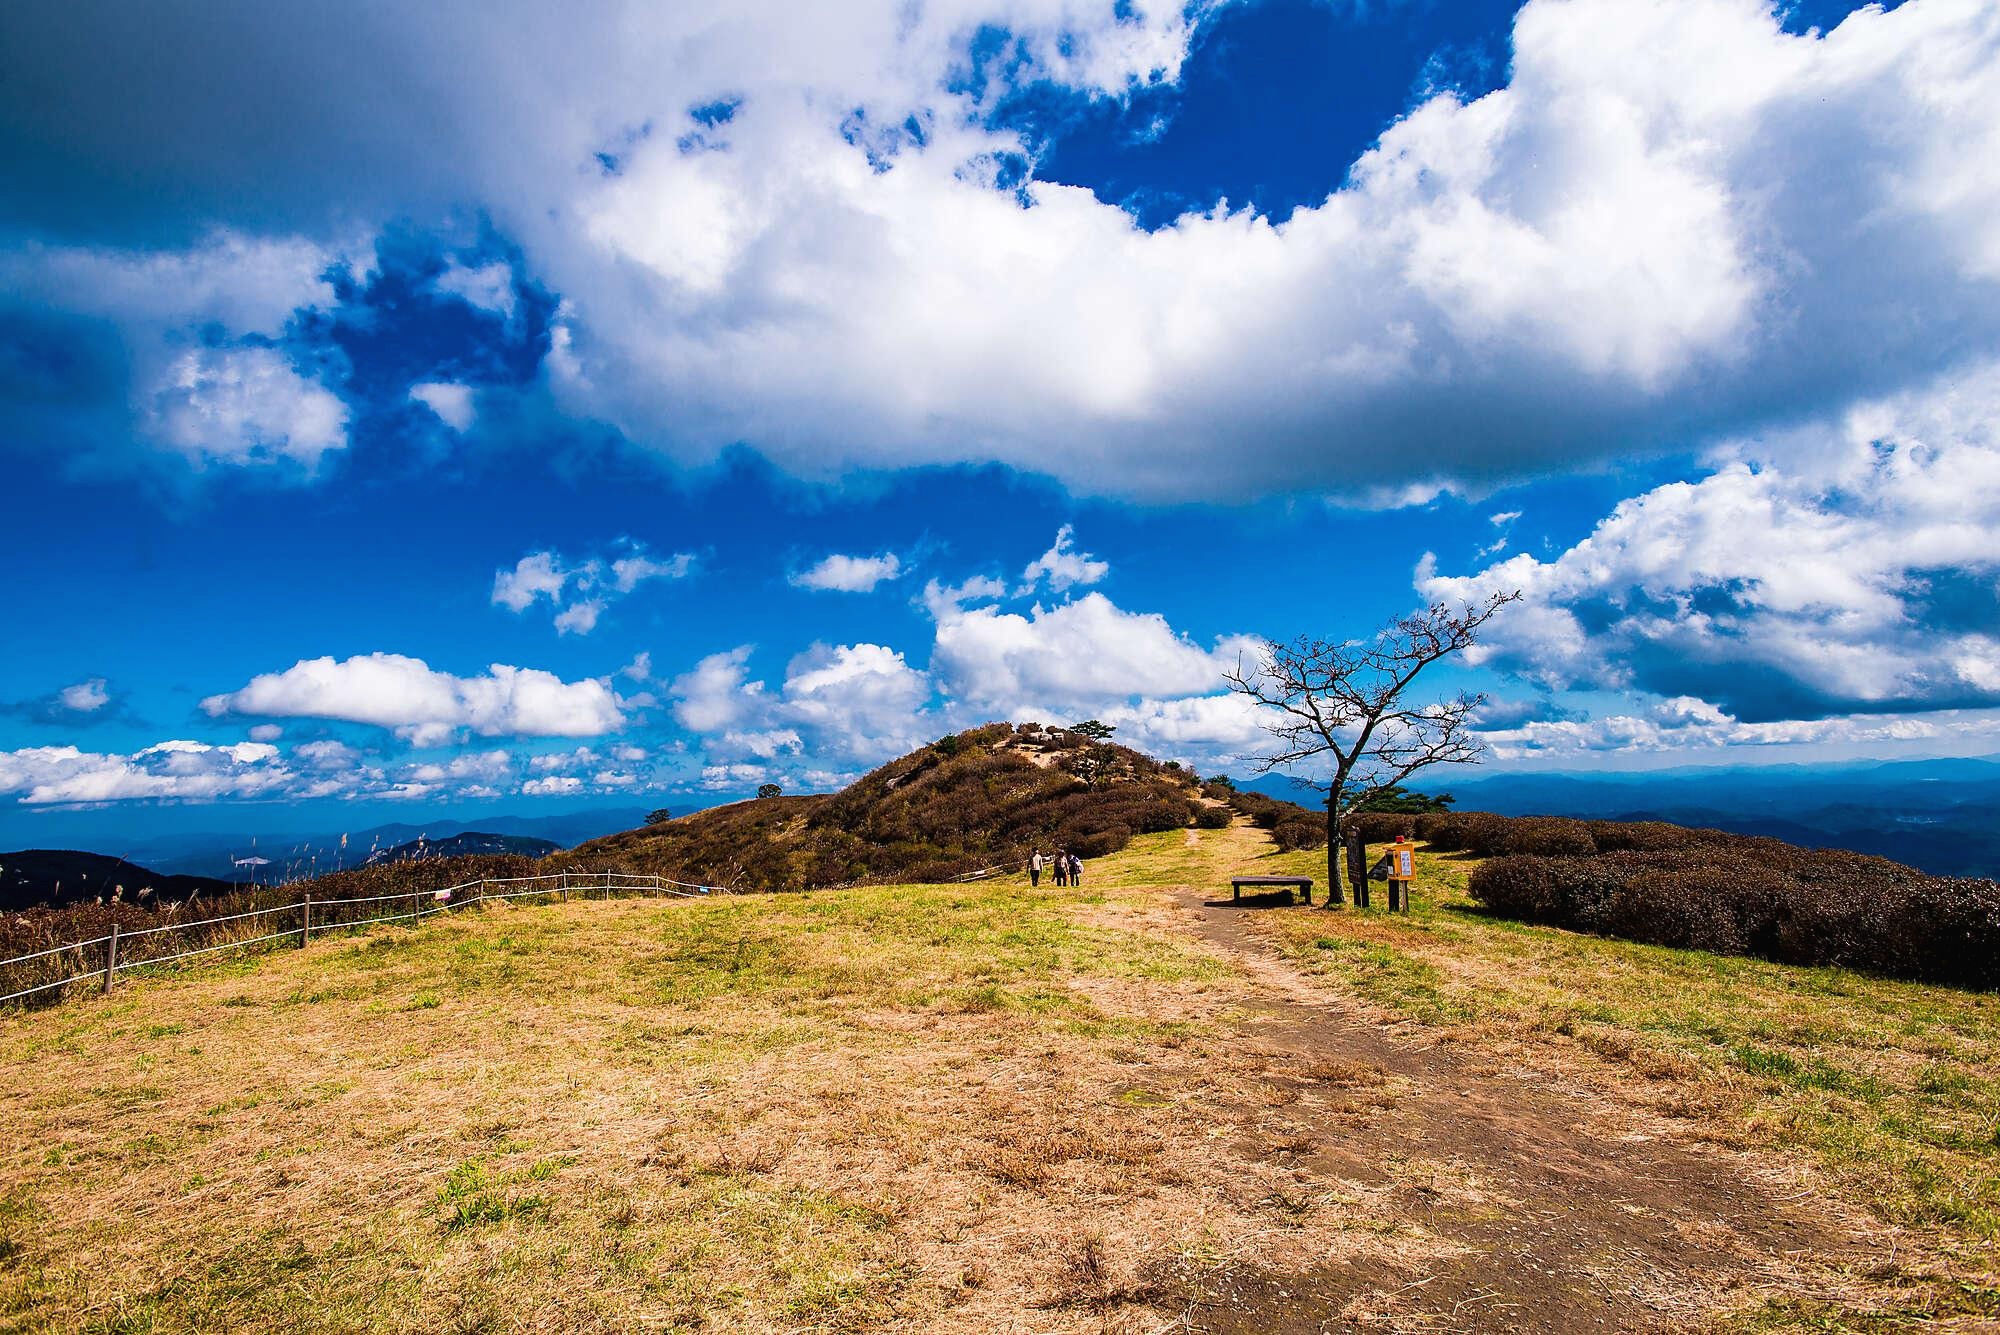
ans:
(111, 957)
(306, 921)
(562, 887)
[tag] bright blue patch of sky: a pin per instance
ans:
(1802, 15)
(1276, 101)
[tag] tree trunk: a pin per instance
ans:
(1333, 896)
(1357, 868)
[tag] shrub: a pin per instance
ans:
(1715, 907)
(1462, 831)
(1642, 836)
(1521, 887)
(1959, 921)
(1211, 818)
(1380, 827)
(1545, 836)
(1763, 897)
(1102, 843)
(1568, 892)
(1293, 834)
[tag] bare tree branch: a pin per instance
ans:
(1343, 702)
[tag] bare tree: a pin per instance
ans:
(1344, 701)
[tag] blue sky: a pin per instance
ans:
(450, 409)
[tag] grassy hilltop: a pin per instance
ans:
(979, 1107)
(968, 801)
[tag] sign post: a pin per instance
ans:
(1402, 870)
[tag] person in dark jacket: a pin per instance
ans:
(1075, 870)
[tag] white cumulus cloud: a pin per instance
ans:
(579, 591)
(1842, 566)
(424, 705)
(1062, 566)
(1084, 654)
(451, 402)
(850, 574)
(85, 697)
(1673, 222)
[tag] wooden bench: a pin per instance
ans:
(1302, 884)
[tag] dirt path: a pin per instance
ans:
(1534, 1208)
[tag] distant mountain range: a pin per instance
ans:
(60, 877)
(287, 855)
(1940, 815)
(461, 845)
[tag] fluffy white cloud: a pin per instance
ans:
(490, 287)
(1084, 654)
(1686, 726)
(185, 770)
(717, 693)
(427, 706)
(451, 402)
(327, 754)
(475, 765)
(245, 405)
(1225, 726)
(201, 772)
(580, 758)
(851, 701)
(1850, 566)
(742, 774)
(629, 571)
(763, 743)
(85, 697)
(850, 574)
(196, 326)
(580, 591)
(1063, 566)
(1671, 217)
(1675, 220)
(536, 575)
(861, 701)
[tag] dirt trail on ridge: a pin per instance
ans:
(1534, 1208)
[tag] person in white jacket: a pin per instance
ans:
(1035, 869)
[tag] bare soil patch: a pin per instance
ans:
(1530, 1207)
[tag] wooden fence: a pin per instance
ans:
(100, 960)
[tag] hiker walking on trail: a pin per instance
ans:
(1075, 870)
(1062, 867)
(1035, 869)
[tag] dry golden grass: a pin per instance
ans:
(907, 1108)
(915, 1108)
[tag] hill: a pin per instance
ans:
(60, 878)
(472, 843)
(976, 799)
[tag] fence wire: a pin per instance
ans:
(442, 901)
